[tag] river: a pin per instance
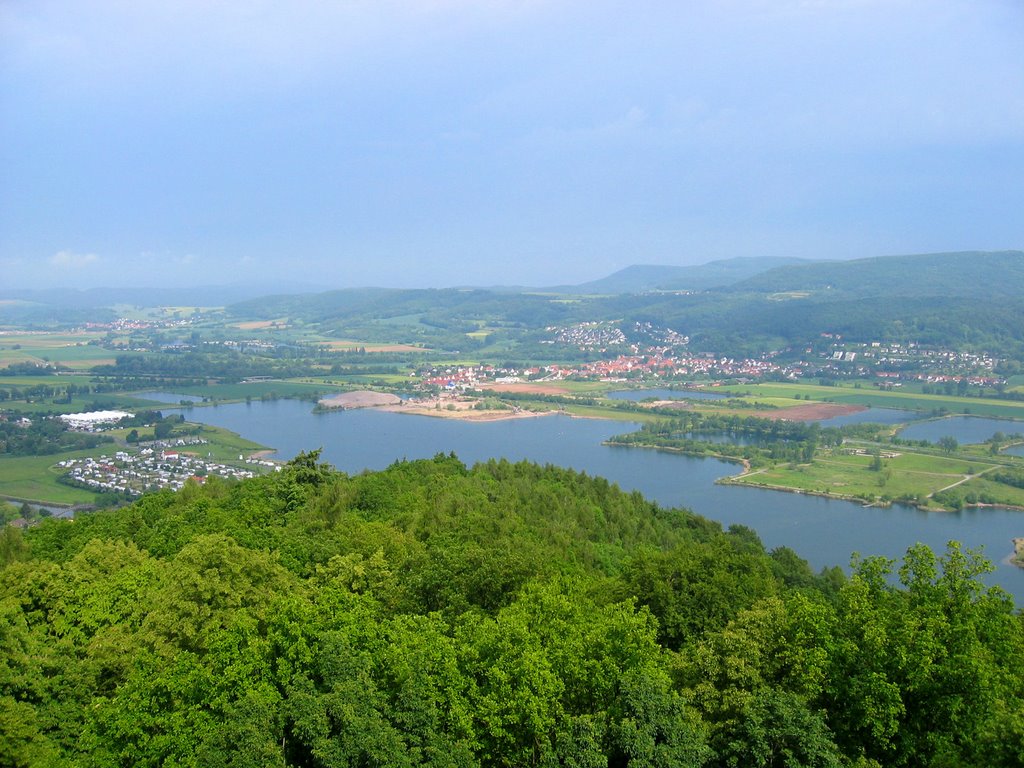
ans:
(824, 531)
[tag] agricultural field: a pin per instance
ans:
(70, 350)
(281, 388)
(978, 406)
(79, 403)
(347, 345)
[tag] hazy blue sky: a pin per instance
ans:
(445, 142)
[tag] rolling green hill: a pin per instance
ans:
(650, 277)
(956, 300)
(970, 274)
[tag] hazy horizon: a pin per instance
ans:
(453, 143)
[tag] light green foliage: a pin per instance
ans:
(501, 615)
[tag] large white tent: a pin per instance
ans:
(92, 418)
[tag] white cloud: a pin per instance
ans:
(72, 260)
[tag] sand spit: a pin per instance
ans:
(360, 399)
(457, 407)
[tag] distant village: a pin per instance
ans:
(889, 364)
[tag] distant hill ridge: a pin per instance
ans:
(967, 274)
(640, 278)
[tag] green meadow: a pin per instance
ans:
(871, 397)
(908, 475)
(34, 478)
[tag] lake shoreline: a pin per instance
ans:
(738, 481)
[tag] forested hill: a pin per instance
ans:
(975, 274)
(500, 615)
(698, 277)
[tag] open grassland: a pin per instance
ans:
(78, 379)
(34, 478)
(283, 388)
(346, 345)
(223, 445)
(596, 412)
(908, 475)
(979, 406)
(81, 403)
(1008, 494)
(386, 379)
(46, 339)
(70, 350)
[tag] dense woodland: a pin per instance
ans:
(500, 615)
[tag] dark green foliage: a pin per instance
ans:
(44, 437)
(499, 615)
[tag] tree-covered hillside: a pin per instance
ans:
(698, 277)
(500, 615)
(971, 274)
(957, 301)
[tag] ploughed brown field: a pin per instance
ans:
(527, 387)
(810, 411)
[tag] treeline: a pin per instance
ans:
(43, 437)
(767, 439)
(228, 367)
(503, 615)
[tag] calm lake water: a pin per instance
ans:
(824, 531)
(1015, 450)
(664, 394)
(966, 429)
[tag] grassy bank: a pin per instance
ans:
(908, 476)
(911, 401)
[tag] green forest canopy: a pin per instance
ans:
(500, 615)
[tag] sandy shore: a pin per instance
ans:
(360, 399)
(449, 407)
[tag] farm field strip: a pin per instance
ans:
(977, 406)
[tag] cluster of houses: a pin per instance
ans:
(123, 324)
(914, 362)
(149, 470)
(588, 335)
(654, 364)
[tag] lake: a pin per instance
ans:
(966, 429)
(664, 394)
(824, 531)
(1015, 450)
